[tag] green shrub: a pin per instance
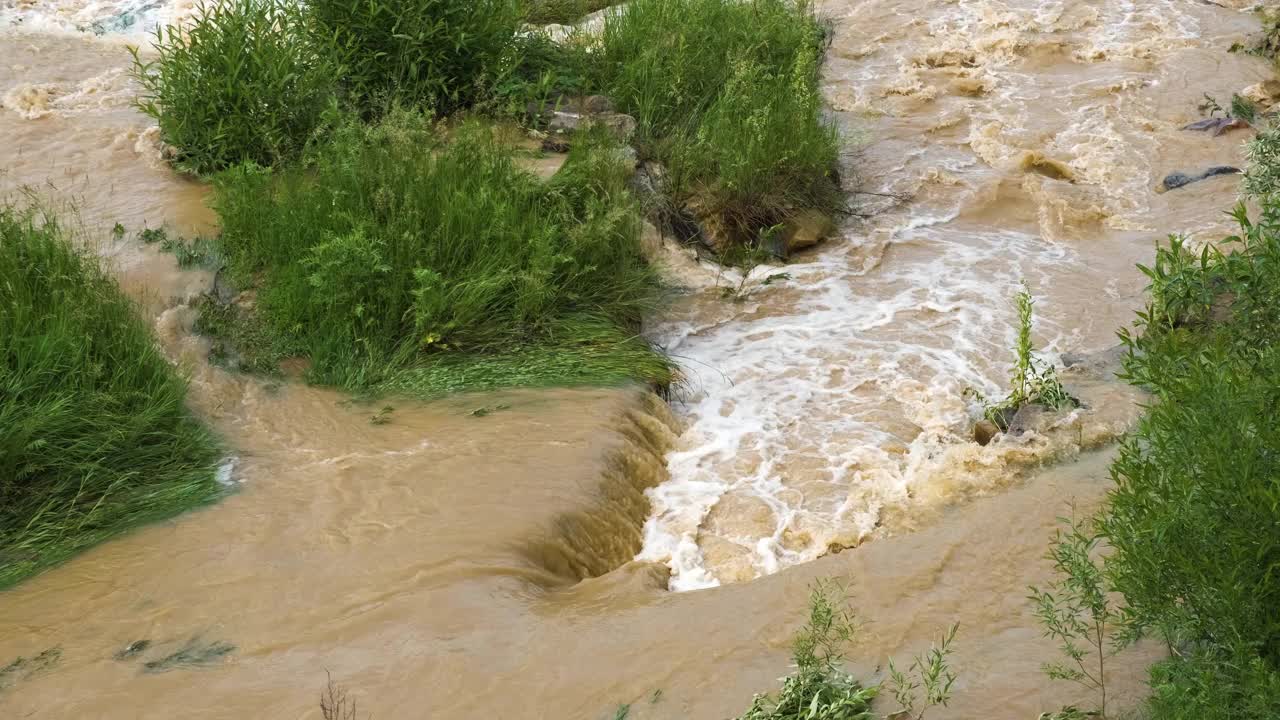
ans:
(1214, 686)
(97, 438)
(397, 252)
(238, 85)
(537, 75)
(1193, 519)
(437, 54)
(819, 689)
(1032, 382)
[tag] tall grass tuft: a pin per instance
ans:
(237, 85)
(436, 54)
(397, 256)
(726, 94)
(97, 438)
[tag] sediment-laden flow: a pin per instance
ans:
(434, 564)
(1026, 138)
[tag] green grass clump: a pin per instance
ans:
(97, 438)
(562, 12)
(238, 85)
(438, 54)
(400, 257)
(726, 95)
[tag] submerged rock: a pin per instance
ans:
(620, 125)
(984, 432)
(1175, 180)
(806, 229)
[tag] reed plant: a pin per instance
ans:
(97, 437)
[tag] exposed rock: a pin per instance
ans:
(1263, 93)
(596, 104)
(620, 125)
(985, 431)
(223, 292)
(712, 230)
(555, 144)
(1036, 419)
(806, 229)
(1103, 365)
(1175, 180)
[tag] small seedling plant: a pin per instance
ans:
(1033, 381)
(926, 682)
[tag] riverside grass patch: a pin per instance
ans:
(97, 438)
(239, 84)
(405, 257)
(726, 95)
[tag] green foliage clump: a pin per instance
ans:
(819, 689)
(726, 95)
(1192, 521)
(97, 438)
(238, 85)
(400, 258)
(437, 54)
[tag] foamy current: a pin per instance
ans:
(1027, 136)
(108, 17)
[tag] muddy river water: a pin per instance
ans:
(580, 549)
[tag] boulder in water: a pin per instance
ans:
(985, 431)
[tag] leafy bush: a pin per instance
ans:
(438, 54)
(97, 438)
(927, 682)
(726, 94)
(1193, 519)
(238, 85)
(819, 689)
(396, 252)
(1214, 686)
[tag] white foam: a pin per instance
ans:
(822, 405)
(98, 17)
